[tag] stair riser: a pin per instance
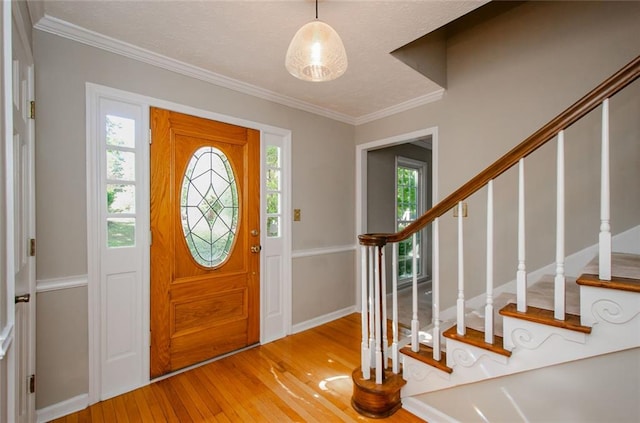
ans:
(522, 334)
(607, 305)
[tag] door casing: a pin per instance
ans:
(361, 180)
(273, 325)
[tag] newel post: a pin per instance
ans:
(375, 394)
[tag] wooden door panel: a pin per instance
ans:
(187, 350)
(197, 311)
(208, 311)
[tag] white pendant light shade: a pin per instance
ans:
(316, 53)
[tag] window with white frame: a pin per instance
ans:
(410, 197)
(273, 191)
(120, 151)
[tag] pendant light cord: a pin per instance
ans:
(316, 9)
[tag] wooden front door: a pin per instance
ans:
(205, 252)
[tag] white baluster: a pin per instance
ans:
(461, 328)
(435, 291)
(559, 288)
(605, 226)
(488, 310)
(378, 321)
(415, 324)
(365, 354)
(383, 297)
(521, 274)
(372, 311)
(395, 356)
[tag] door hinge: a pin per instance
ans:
(149, 135)
(32, 384)
(32, 110)
(32, 247)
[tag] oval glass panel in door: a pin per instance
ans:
(209, 207)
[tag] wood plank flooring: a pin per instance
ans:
(305, 377)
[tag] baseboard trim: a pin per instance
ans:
(66, 282)
(321, 320)
(63, 408)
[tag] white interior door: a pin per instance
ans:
(24, 222)
(6, 223)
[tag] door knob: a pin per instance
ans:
(256, 248)
(24, 298)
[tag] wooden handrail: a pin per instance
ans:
(593, 99)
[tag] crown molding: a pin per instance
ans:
(401, 107)
(82, 35)
(73, 32)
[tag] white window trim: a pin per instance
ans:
(422, 168)
(279, 135)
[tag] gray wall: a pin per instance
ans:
(506, 78)
(323, 157)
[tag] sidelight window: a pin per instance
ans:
(274, 191)
(120, 180)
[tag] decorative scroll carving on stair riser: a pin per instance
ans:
(611, 312)
(608, 305)
(463, 357)
(419, 372)
(466, 355)
(527, 335)
(418, 375)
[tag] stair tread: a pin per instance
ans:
(425, 354)
(623, 265)
(476, 338)
(616, 282)
(539, 294)
(546, 317)
(625, 273)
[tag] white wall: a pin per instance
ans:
(506, 78)
(323, 159)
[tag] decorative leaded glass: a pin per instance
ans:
(209, 206)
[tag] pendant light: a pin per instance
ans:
(316, 53)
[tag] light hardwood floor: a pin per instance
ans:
(305, 377)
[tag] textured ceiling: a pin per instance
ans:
(247, 41)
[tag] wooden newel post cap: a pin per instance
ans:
(372, 240)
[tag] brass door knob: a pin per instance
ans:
(256, 248)
(24, 298)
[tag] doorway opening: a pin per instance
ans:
(397, 184)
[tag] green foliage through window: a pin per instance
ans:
(407, 210)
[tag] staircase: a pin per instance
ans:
(602, 317)
(534, 322)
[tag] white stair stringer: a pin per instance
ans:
(614, 316)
